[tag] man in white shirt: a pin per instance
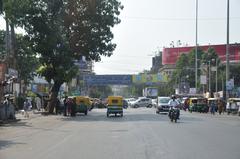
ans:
(173, 103)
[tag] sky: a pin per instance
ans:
(149, 25)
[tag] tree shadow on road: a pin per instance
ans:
(6, 144)
(17, 123)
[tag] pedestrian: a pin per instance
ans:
(73, 107)
(26, 108)
(38, 103)
(212, 108)
(65, 106)
(220, 106)
(57, 108)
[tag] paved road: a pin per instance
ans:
(140, 134)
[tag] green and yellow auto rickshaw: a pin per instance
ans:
(115, 105)
(82, 104)
(198, 104)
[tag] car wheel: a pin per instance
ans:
(157, 112)
(136, 106)
(149, 106)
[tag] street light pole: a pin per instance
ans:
(209, 78)
(216, 87)
(227, 50)
(196, 57)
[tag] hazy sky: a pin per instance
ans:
(148, 25)
(151, 24)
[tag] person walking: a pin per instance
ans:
(65, 103)
(57, 107)
(73, 107)
(212, 108)
(38, 103)
(220, 106)
(26, 107)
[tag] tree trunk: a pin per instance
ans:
(53, 97)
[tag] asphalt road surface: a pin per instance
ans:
(139, 134)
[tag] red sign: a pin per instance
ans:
(170, 55)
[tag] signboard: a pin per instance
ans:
(192, 91)
(230, 85)
(214, 68)
(108, 79)
(203, 79)
(150, 92)
(149, 78)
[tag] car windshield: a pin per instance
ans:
(163, 100)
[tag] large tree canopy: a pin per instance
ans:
(62, 31)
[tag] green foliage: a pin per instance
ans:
(185, 67)
(27, 62)
(89, 28)
(64, 30)
(210, 56)
(20, 102)
(2, 43)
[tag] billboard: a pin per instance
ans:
(108, 79)
(150, 92)
(149, 78)
(170, 55)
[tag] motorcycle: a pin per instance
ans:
(173, 114)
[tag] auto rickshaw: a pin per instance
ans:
(233, 105)
(82, 104)
(115, 105)
(198, 105)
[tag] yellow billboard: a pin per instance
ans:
(149, 78)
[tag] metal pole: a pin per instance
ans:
(196, 57)
(209, 78)
(227, 50)
(216, 89)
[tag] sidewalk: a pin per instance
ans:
(32, 114)
(20, 116)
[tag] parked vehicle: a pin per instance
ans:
(233, 106)
(162, 104)
(198, 105)
(142, 102)
(115, 105)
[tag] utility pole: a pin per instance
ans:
(196, 49)
(209, 78)
(216, 86)
(227, 50)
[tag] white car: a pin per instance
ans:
(142, 102)
(163, 104)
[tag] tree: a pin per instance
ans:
(64, 30)
(185, 67)
(26, 60)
